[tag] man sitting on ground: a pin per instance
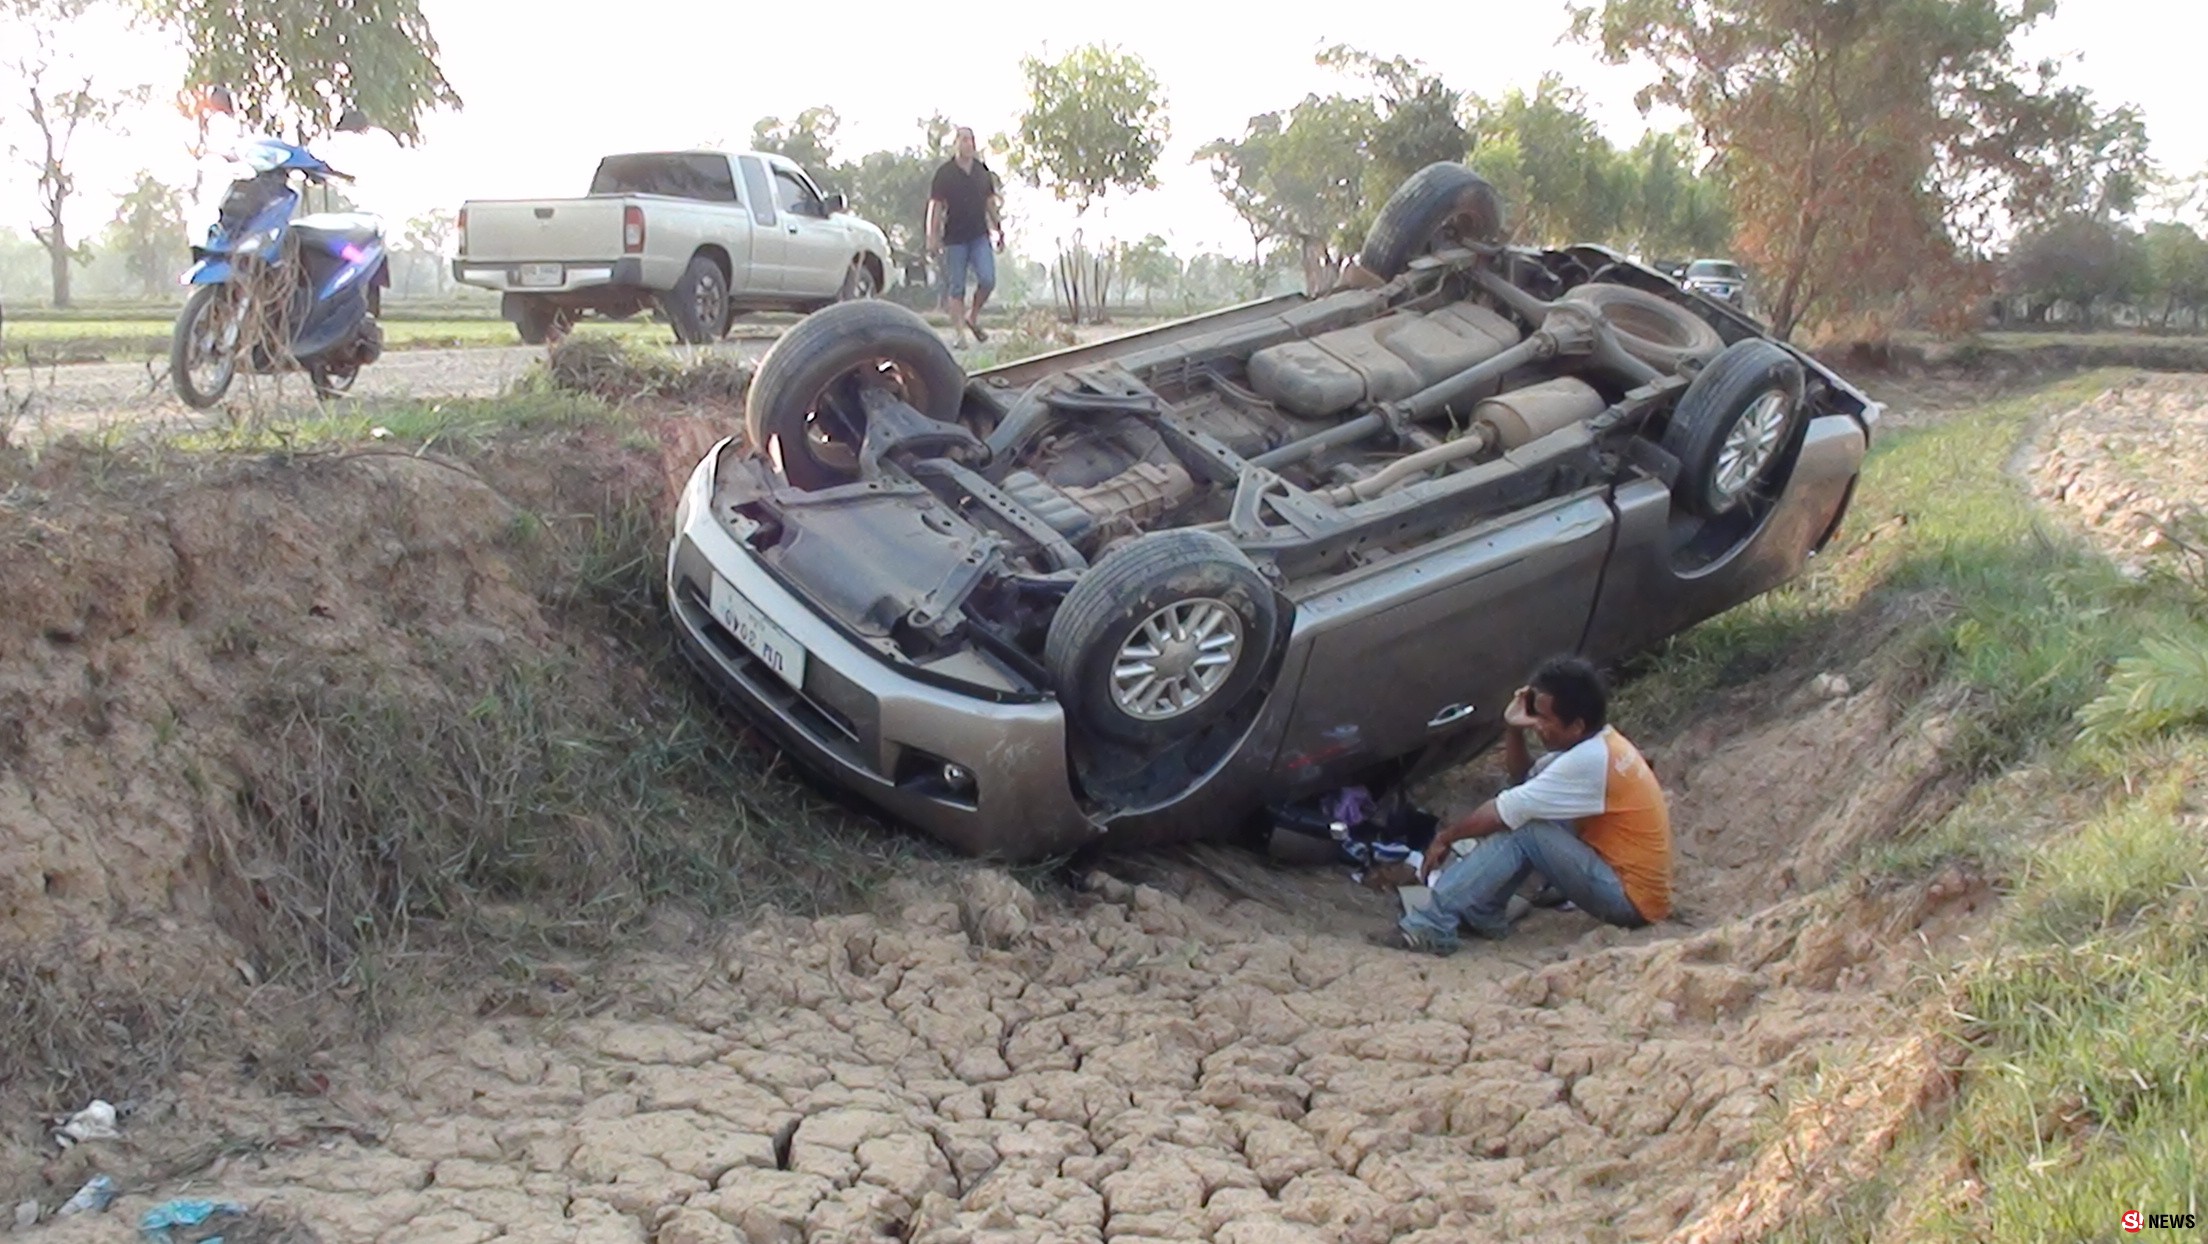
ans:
(1589, 817)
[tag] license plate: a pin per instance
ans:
(542, 274)
(766, 641)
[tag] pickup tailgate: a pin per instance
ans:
(549, 230)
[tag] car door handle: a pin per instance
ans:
(793, 229)
(1450, 716)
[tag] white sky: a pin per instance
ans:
(550, 86)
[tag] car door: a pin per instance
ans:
(818, 251)
(769, 240)
(1428, 646)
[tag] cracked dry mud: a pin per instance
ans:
(2126, 464)
(1136, 1066)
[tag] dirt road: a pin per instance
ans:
(90, 396)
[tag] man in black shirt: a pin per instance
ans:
(962, 214)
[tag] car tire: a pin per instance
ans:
(879, 341)
(1169, 597)
(697, 307)
(1733, 426)
(1655, 330)
(199, 306)
(858, 282)
(540, 322)
(1441, 203)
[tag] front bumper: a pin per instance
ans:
(863, 724)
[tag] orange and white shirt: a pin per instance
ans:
(1603, 787)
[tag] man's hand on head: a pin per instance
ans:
(1519, 712)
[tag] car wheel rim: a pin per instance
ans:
(1177, 659)
(1751, 445)
(711, 309)
(835, 422)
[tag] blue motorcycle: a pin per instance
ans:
(276, 292)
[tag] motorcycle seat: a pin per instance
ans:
(337, 229)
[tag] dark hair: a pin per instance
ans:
(1575, 690)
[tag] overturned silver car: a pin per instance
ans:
(1143, 589)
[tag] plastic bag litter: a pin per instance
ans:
(94, 1197)
(157, 1221)
(94, 1122)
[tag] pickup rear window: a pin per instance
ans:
(681, 175)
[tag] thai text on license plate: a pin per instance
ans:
(766, 641)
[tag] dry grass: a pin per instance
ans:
(613, 370)
(399, 831)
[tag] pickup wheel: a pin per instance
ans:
(803, 406)
(1438, 206)
(858, 281)
(697, 306)
(1733, 426)
(1162, 637)
(540, 322)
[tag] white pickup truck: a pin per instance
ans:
(702, 235)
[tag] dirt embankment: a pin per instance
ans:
(1211, 1054)
(2126, 468)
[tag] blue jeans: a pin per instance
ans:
(959, 257)
(1476, 888)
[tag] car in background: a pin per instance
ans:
(1721, 279)
(702, 236)
(1155, 587)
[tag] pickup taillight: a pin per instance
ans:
(463, 227)
(632, 230)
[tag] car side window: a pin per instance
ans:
(759, 189)
(795, 197)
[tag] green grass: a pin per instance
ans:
(446, 424)
(123, 340)
(2085, 1089)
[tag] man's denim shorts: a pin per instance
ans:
(959, 257)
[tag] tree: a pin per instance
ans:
(1150, 264)
(149, 232)
(1561, 179)
(890, 188)
(1095, 122)
(809, 140)
(1415, 124)
(1873, 148)
(56, 95)
(293, 66)
(1670, 208)
(429, 238)
(2177, 267)
(2080, 259)
(1301, 179)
